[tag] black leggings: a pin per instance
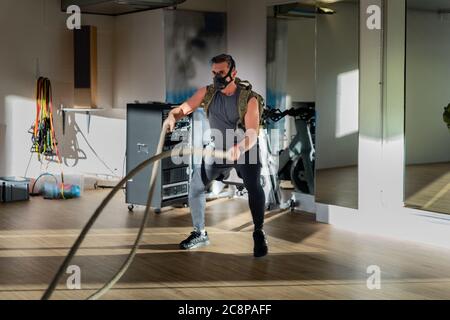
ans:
(251, 175)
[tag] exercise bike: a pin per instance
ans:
(297, 162)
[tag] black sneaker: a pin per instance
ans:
(260, 249)
(195, 240)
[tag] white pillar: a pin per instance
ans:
(370, 169)
(394, 106)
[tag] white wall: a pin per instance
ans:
(301, 68)
(139, 58)
(427, 88)
(337, 86)
(247, 39)
(33, 30)
(301, 59)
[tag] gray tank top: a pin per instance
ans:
(223, 116)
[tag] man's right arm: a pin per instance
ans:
(186, 108)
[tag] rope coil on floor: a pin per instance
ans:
(156, 159)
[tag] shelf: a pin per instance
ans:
(87, 111)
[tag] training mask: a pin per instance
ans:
(221, 83)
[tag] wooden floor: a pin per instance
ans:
(338, 186)
(427, 187)
(307, 260)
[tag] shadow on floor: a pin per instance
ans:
(175, 267)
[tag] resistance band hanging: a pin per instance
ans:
(44, 142)
(44, 139)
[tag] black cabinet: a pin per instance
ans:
(144, 126)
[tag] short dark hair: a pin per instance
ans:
(224, 58)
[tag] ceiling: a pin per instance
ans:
(117, 7)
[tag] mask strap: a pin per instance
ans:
(231, 71)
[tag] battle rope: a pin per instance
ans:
(156, 160)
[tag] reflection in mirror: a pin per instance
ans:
(313, 64)
(427, 118)
(338, 105)
(290, 88)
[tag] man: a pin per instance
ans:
(224, 116)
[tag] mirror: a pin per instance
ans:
(313, 64)
(427, 125)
